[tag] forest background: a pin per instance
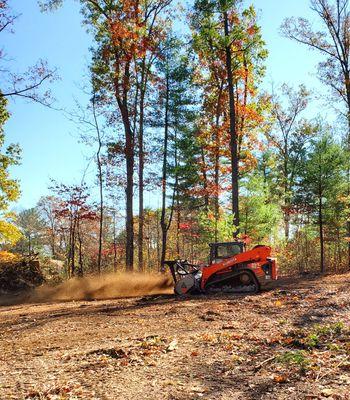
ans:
(155, 128)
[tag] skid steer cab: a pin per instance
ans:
(231, 269)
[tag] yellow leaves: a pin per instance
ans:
(9, 233)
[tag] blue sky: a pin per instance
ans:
(49, 141)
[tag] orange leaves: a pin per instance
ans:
(132, 33)
(280, 378)
(8, 257)
(252, 30)
(126, 37)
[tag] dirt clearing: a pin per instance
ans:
(292, 342)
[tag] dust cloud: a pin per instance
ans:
(106, 286)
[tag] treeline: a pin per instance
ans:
(179, 116)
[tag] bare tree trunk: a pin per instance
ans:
(205, 180)
(129, 200)
(129, 155)
(178, 222)
(141, 189)
(163, 223)
(320, 221)
(286, 224)
(80, 251)
(114, 242)
(141, 164)
(233, 130)
(100, 185)
(72, 239)
(217, 161)
(347, 84)
(158, 242)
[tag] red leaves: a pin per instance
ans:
(185, 226)
(191, 229)
(72, 202)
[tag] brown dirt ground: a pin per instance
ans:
(291, 342)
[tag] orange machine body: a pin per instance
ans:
(253, 260)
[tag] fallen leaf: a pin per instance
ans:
(327, 392)
(172, 346)
(280, 378)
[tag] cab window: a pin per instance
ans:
(228, 251)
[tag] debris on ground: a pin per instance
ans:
(288, 343)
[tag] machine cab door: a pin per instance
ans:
(222, 251)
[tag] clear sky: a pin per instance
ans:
(49, 141)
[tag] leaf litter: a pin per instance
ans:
(159, 347)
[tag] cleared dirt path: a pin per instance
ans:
(292, 342)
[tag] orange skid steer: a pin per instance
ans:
(231, 269)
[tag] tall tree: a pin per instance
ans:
(333, 42)
(32, 227)
(321, 181)
(175, 100)
(155, 31)
(73, 209)
(127, 36)
(289, 136)
(47, 207)
(229, 44)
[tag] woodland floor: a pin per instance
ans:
(291, 342)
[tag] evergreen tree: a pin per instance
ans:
(321, 183)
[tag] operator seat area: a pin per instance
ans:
(222, 251)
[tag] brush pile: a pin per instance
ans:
(20, 275)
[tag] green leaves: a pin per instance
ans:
(50, 5)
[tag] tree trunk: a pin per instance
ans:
(114, 243)
(217, 161)
(158, 241)
(347, 84)
(286, 224)
(141, 164)
(164, 176)
(129, 155)
(233, 130)
(286, 211)
(80, 251)
(178, 222)
(100, 185)
(141, 188)
(72, 246)
(52, 244)
(320, 219)
(129, 150)
(205, 180)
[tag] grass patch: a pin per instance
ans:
(324, 335)
(296, 358)
(319, 336)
